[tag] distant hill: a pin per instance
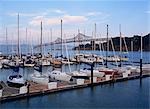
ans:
(116, 42)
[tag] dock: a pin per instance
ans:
(35, 89)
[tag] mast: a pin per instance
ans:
(94, 37)
(61, 41)
(92, 41)
(18, 47)
(26, 41)
(51, 39)
(79, 41)
(107, 48)
(100, 47)
(84, 43)
(7, 41)
(41, 50)
(141, 47)
(12, 50)
(79, 49)
(41, 40)
(31, 45)
(141, 58)
(120, 44)
(132, 50)
(61, 45)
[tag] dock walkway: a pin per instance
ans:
(8, 91)
(36, 89)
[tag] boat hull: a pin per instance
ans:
(17, 85)
(40, 79)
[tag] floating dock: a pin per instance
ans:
(35, 89)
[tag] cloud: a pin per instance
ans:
(93, 13)
(67, 19)
(21, 14)
(47, 12)
(74, 19)
(58, 11)
(148, 12)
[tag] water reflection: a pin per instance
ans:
(140, 82)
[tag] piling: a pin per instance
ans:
(92, 65)
(141, 58)
(140, 68)
(28, 86)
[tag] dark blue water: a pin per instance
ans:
(130, 94)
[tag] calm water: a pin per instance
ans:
(129, 94)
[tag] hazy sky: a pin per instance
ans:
(80, 14)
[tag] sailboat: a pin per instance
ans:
(37, 76)
(105, 69)
(120, 69)
(16, 79)
(29, 62)
(57, 74)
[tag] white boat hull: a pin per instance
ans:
(15, 81)
(60, 76)
(96, 73)
(29, 65)
(1, 65)
(40, 79)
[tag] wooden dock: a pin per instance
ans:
(35, 89)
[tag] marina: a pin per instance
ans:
(74, 54)
(40, 74)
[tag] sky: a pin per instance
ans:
(133, 15)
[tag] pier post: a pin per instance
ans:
(28, 86)
(113, 77)
(140, 68)
(141, 57)
(92, 65)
